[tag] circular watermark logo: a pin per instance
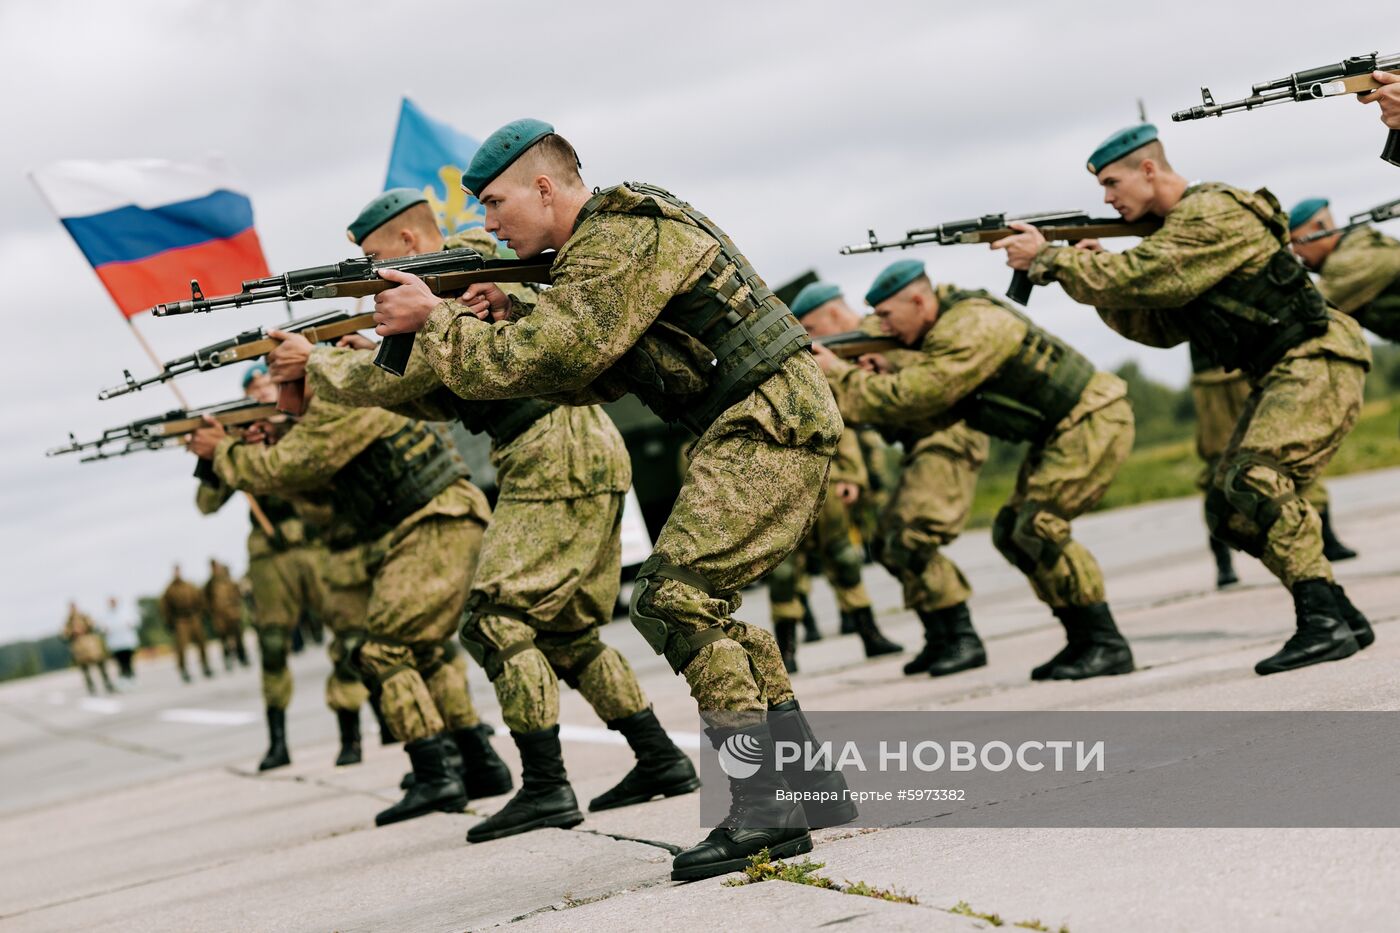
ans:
(740, 756)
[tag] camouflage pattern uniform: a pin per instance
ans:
(1361, 276)
(182, 608)
(419, 569)
(1062, 477)
(549, 569)
(225, 603)
(758, 470)
(1300, 408)
(86, 646)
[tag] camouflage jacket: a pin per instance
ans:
(611, 281)
(1208, 236)
(326, 438)
(210, 497)
(180, 600)
(77, 625)
(222, 596)
(1362, 277)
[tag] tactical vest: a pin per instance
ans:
(1250, 323)
(713, 345)
(1033, 390)
(501, 421)
(277, 511)
(396, 476)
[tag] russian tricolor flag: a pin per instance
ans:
(148, 226)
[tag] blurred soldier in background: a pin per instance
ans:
(225, 605)
(182, 608)
(86, 646)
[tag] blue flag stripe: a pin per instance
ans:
(132, 233)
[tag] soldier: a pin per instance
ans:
(225, 604)
(85, 644)
(401, 487)
(983, 362)
(1358, 271)
(287, 571)
(182, 608)
(650, 297)
(550, 561)
(834, 539)
(1219, 275)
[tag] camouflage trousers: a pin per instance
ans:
(836, 542)
(285, 584)
(187, 631)
(928, 510)
(1058, 482)
(419, 586)
(345, 607)
(1292, 424)
(547, 581)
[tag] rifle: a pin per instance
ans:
(850, 344)
(1067, 226)
(1350, 76)
(161, 430)
(1387, 211)
(446, 272)
(250, 345)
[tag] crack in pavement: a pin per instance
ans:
(58, 731)
(673, 849)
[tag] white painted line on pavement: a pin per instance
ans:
(567, 733)
(104, 705)
(55, 698)
(208, 717)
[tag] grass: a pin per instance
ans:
(1169, 471)
(761, 868)
(964, 909)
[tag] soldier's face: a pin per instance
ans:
(1129, 191)
(834, 317)
(518, 215)
(902, 317)
(1312, 254)
(262, 389)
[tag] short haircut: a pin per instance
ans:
(420, 217)
(554, 156)
(1152, 150)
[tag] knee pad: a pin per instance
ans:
(1218, 510)
(347, 666)
(429, 660)
(782, 582)
(272, 643)
(583, 648)
(1004, 540)
(475, 642)
(1027, 539)
(657, 625)
(845, 562)
(1255, 504)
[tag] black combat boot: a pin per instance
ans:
(276, 756)
(1224, 564)
(242, 652)
(933, 640)
(1322, 635)
(349, 720)
(228, 659)
(545, 797)
(962, 649)
(810, 632)
(1105, 651)
(848, 623)
(873, 640)
(787, 723)
(662, 769)
(483, 771)
(1332, 548)
(757, 820)
(785, 634)
(437, 781)
(1075, 641)
(1360, 626)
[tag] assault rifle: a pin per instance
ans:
(850, 344)
(445, 273)
(162, 430)
(1350, 76)
(1387, 211)
(1066, 226)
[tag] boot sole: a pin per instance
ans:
(956, 670)
(553, 821)
(1126, 667)
(455, 805)
(1345, 650)
(689, 787)
(799, 846)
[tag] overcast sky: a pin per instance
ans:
(795, 126)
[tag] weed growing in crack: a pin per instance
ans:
(761, 868)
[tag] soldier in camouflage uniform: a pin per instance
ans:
(982, 362)
(1358, 271)
(85, 644)
(399, 487)
(650, 297)
(549, 570)
(182, 608)
(1219, 275)
(225, 604)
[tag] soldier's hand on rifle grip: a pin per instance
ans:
(205, 439)
(404, 309)
(1021, 247)
(356, 342)
(287, 363)
(848, 493)
(1093, 246)
(827, 360)
(1387, 95)
(486, 301)
(874, 363)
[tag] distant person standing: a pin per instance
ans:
(181, 606)
(123, 638)
(86, 647)
(224, 602)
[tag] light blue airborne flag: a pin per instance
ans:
(430, 155)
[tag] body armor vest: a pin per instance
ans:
(502, 421)
(714, 344)
(396, 476)
(1032, 391)
(1250, 323)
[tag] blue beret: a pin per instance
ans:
(253, 372)
(1120, 144)
(381, 210)
(500, 150)
(1303, 211)
(813, 296)
(894, 277)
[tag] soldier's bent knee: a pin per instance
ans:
(272, 644)
(657, 624)
(1004, 540)
(845, 562)
(1257, 505)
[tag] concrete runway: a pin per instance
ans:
(143, 811)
